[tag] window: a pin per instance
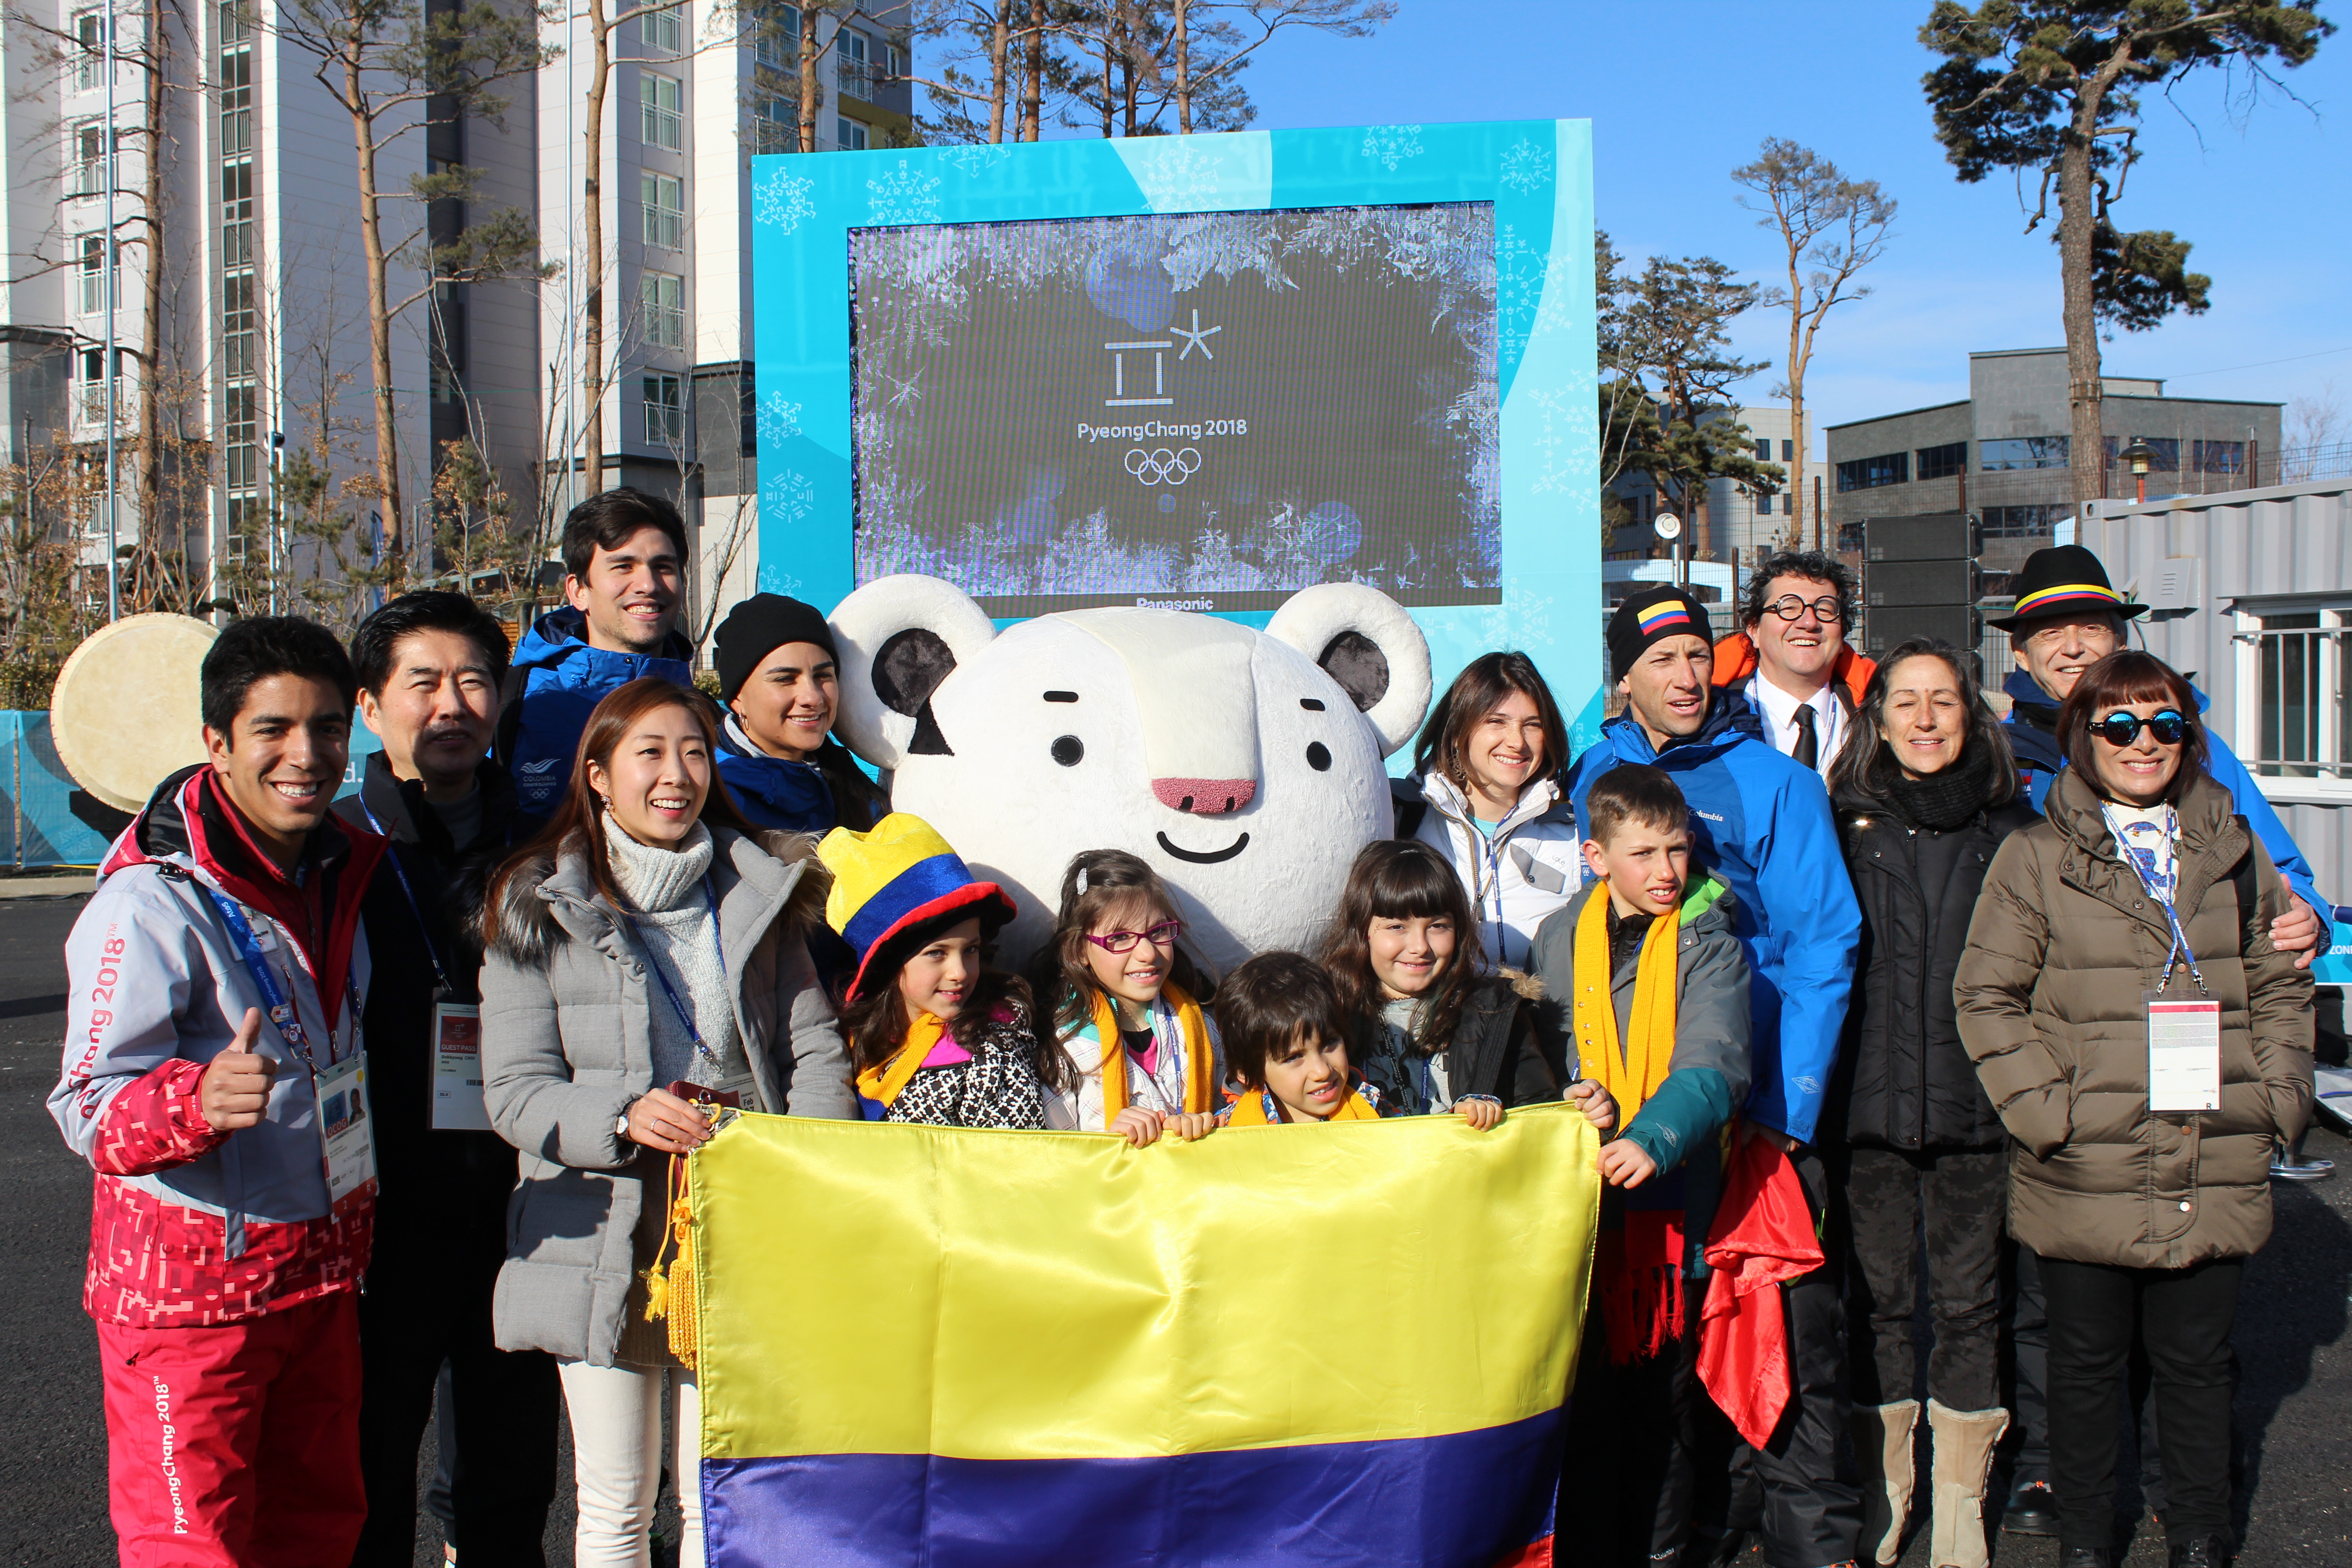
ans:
(665, 126)
(2220, 456)
(850, 133)
(778, 44)
(1763, 449)
(2165, 453)
(665, 202)
(664, 29)
(1869, 473)
(89, 41)
(1764, 501)
(235, 23)
(87, 175)
(856, 77)
(236, 213)
(775, 123)
(240, 426)
(2022, 452)
(662, 296)
(1788, 451)
(101, 286)
(237, 102)
(665, 411)
(90, 379)
(893, 65)
(1943, 462)
(2020, 522)
(236, 327)
(2300, 694)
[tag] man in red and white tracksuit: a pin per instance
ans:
(216, 974)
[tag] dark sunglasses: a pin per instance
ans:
(2120, 729)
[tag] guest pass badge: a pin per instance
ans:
(2184, 1053)
(457, 1104)
(345, 1127)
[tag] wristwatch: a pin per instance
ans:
(621, 1123)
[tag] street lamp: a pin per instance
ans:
(1669, 527)
(2139, 455)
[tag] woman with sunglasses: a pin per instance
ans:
(2145, 1042)
(1131, 1050)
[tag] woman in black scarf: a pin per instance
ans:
(1924, 791)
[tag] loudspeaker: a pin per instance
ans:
(1920, 582)
(1962, 626)
(1932, 536)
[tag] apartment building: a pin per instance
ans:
(248, 231)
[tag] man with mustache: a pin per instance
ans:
(625, 562)
(430, 666)
(215, 1081)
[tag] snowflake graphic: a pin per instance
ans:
(978, 158)
(1527, 167)
(1554, 473)
(903, 195)
(779, 583)
(1175, 175)
(779, 419)
(787, 496)
(1519, 275)
(1392, 144)
(1521, 620)
(781, 198)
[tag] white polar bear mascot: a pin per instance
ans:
(1244, 766)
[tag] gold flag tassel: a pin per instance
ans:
(671, 1294)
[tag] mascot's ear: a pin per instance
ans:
(898, 637)
(1366, 642)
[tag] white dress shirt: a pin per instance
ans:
(1830, 722)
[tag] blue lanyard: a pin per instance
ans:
(2143, 865)
(281, 1012)
(685, 1016)
(392, 853)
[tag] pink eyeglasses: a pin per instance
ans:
(1164, 934)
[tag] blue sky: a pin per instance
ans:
(1682, 92)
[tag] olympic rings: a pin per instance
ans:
(1162, 466)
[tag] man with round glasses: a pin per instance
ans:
(1792, 661)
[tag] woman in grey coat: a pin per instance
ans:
(646, 949)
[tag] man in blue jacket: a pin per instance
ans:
(1761, 822)
(624, 560)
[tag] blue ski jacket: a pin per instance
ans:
(555, 682)
(2033, 735)
(1762, 823)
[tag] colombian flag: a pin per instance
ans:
(1347, 1344)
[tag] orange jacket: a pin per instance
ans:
(1735, 661)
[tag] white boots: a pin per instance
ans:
(1964, 1442)
(1961, 1460)
(1881, 1448)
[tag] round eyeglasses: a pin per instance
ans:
(1164, 934)
(1789, 607)
(2120, 729)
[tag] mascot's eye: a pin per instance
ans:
(1068, 749)
(1318, 757)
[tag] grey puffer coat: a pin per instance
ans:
(2064, 944)
(567, 1016)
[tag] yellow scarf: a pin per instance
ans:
(1249, 1110)
(1630, 1072)
(883, 1085)
(1199, 1092)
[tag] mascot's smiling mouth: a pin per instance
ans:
(1211, 858)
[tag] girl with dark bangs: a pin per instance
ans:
(1428, 1025)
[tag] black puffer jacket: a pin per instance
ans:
(1902, 1080)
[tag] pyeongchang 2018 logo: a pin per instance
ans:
(170, 1461)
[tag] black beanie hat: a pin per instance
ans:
(757, 627)
(1651, 615)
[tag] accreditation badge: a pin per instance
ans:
(457, 1105)
(345, 1131)
(2184, 1053)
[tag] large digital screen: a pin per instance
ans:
(1220, 408)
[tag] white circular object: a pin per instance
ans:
(1668, 526)
(127, 712)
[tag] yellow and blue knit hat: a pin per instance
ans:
(896, 878)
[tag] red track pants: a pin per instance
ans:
(237, 1446)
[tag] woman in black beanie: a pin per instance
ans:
(779, 682)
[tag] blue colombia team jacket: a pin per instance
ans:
(2032, 725)
(1762, 823)
(561, 681)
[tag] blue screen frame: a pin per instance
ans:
(1537, 173)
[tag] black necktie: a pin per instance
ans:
(1808, 740)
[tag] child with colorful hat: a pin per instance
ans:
(935, 1035)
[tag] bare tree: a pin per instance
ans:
(1830, 227)
(984, 30)
(387, 65)
(2315, 422)
(1257, 22)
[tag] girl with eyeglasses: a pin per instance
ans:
(1133, 1051)
(2130, 931)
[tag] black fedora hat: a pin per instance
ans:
(2062, 580)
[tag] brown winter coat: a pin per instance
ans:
(2063, 943)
